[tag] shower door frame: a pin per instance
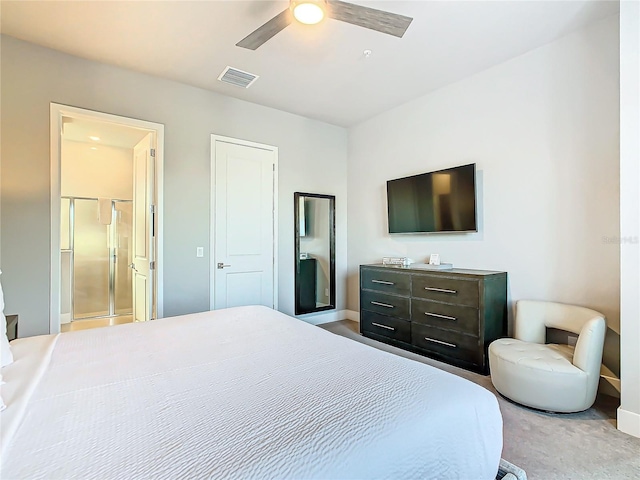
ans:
(112, 258)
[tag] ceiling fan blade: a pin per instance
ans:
(266, 31)
(385, 22)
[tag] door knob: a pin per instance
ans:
(132, 266)
(222, 265)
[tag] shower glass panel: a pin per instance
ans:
(122, 245)
(91, 261)
(95, 275)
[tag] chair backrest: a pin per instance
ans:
(534, 316)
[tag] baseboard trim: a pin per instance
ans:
(629, 422)
(323, 317)
(352, 315)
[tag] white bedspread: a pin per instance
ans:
(246, 393)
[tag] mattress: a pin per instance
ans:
(239, 393)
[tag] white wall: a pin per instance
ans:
(543, 131)
(312, 159)
(629, 411)
(105, 172)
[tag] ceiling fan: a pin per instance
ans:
(313, 11)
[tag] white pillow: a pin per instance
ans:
(5, 350)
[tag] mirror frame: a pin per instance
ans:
(332, 252)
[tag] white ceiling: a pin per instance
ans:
(110, 134)
(315, 71)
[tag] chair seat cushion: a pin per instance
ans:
(539, 376)
(550, 358)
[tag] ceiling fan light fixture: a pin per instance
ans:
(313, 11)
(308, 12)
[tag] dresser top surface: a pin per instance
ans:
(409, 269)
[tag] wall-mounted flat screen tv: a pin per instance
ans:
(441, 201)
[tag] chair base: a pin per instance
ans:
(538, 376)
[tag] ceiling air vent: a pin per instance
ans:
(237, 77)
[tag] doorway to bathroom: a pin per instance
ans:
(107, 268)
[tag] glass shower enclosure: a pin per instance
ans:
(95, 256)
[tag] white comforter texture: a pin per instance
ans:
(246, 393)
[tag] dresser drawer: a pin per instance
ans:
(445, 342)
(385, 281)
(385, 304)
(442, 289)
(443, 315)
(389, 327)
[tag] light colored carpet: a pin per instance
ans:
(546, 446)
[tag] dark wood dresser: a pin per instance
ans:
(450, 315)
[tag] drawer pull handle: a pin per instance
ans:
(446, 317)
(442, 290)
(386, 305)
(433, 340)
(382, 282)
(383, 326)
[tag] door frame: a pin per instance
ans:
(57, 112)
(212, 225)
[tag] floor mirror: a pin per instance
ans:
(315, 238)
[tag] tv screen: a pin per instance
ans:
(442, 201)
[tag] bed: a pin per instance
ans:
(240, 393)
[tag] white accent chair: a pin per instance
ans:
(550, 377)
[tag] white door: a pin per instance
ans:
(244, 245)
(143, 230)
